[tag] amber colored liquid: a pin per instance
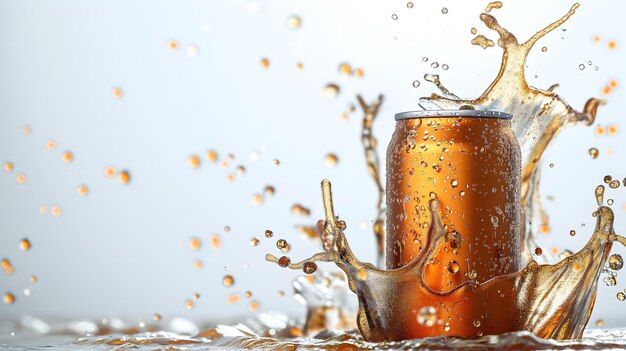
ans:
(472, 166)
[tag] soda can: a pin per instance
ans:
(470, 162)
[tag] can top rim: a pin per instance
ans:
(452, 113)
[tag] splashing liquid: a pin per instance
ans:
(551, 301)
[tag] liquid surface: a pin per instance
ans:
(242, 338)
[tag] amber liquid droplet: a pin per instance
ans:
(8, 166)
(124, 177)
(83, 190)
(8, 298)
(228, 281)
(25, 244)
(194, 161)
(195, 243)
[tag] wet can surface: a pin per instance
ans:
(470, 162)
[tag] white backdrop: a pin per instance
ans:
(123, 250)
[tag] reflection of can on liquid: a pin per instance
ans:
(468, 160)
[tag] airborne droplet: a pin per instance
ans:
(25, 244)
(281, 243)
(309, 267)
(284, 261)
(294, 22)
(616, 262)
(228, 281)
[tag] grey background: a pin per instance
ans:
(123, 250)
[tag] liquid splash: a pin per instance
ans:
(538, 115)
(550, 301)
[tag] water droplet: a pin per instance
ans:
(424, 59)
(476, 323)
(454, 238)
(572, 232)
(538, 251)
(621, 296)
(614, 184)
(434, 64)
(593, 152)
(581, 66)
(269, 233)
(445, 67)
(394, 17)
(228, 281)
(156, 317)
(254, 242)
(189, 304)
(544, 49)
(427, 316)
(265, 63)
(416, 83)
(444, 10)
(454, 183)
(453, 267)
(409, 5)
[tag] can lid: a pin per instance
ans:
(452, 113)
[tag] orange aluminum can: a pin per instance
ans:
(470, 162)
